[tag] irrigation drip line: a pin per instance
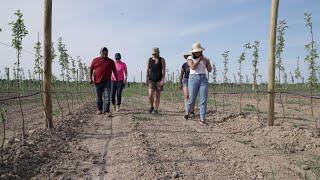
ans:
(266, 92)
(36, 93)
(16, 97)
(291, 93)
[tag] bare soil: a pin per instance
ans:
(136, 145)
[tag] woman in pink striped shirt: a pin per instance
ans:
(117, 87)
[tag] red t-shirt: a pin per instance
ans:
(103, 68)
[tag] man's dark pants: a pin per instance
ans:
(103, 91)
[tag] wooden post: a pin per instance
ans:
(272, 45)
(47, 63)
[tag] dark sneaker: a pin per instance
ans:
(109, 114)
(151, 110)
(192, 115)
(186, 117)
(203, 123)
(156, 112)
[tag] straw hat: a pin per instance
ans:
(196, 47)
(155, 50)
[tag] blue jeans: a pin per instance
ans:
(103, 91)
(198, 84)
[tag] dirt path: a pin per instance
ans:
(136, 145)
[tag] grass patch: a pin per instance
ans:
(249, 107)
(243, 141)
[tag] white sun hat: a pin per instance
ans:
(186, 55)
(196, 47)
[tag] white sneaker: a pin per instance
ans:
(118, 108)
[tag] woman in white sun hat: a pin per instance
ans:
(198, 82)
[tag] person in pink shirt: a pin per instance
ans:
(117, 86)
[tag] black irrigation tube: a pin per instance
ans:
(266, 92)
(36, 93)
(291, 93)
(26, 96)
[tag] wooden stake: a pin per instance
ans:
(47, 63)
(272, 45)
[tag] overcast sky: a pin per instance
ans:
(133, 28)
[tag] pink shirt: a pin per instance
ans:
(121, 68)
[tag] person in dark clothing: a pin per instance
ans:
(117, 87)
(183, 81)
(100, 75)
(156, 68)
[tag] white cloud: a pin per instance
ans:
(210, 26)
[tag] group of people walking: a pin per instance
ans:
(110, 78)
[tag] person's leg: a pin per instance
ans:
(203, 93)
(107, 95)
(119, 93)
(113, 92)
(186, 95)
(193, 88)
(157, 96)
(151, 95)
(99, 92)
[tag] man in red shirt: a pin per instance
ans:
(101, 70)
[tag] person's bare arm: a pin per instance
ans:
(181, 76)
(208, 65)
(126, 73)
(114, 70)
(193, 65)
(91, 73)
(147, 72)
(163, 70)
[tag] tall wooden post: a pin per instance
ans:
(272, 48)
(47, 64)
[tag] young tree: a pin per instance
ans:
(225, 56)
(19, 32)
(63, 60)
(86, 72)
(214, 73)
(255, 62)
(247, 79)
(311, 60)
(241, 59)
(214, 77)
(297, 72)
(38, 61)
(81, 69)
(64, 64)
(292, 77)
(73, 69)
(282, 26)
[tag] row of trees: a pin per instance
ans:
(71, 69)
